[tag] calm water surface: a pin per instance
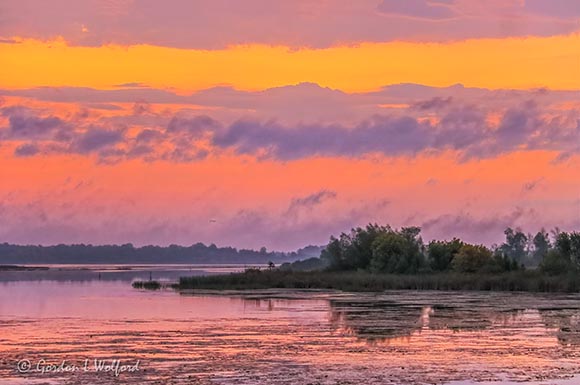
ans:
(276, 337)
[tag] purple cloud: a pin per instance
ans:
(27, 149)
(465, 129)
(436, 119)
(97, 138)
(310, 201)
(296, 104)
(384, 134)
(194, 126)
(422, 9)
(471, 228)
(562, 9)
(23, 123)
(435, 103)
(297, 23)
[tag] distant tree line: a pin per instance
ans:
(382, 249)
(127, 253)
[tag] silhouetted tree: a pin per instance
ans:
(515, 244)
(541, 246)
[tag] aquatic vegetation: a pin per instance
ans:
(534, 281)
(148, 285)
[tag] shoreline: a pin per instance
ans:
(22, 268)
(518, 281)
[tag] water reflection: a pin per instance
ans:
(125, 273)
(377, 319)
(566, 322)
(296, 337)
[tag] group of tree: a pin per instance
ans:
(129, 254)
(383, 249)
(554, 254)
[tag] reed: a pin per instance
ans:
(148, 285)
(532, 281)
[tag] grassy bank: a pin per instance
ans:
(533, 281)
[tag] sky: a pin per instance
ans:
(279, 123)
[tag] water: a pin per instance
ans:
(87, 272)
(55, 322)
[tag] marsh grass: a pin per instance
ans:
(148, 285)
(533, 281)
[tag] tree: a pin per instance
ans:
(568, 246)
(555, 262)
(332, 254)
(575, 249)
(541, 246)
(441, 253)
(398, 252)
(389, 251)
(471, 258)
(360, 251)
(354, 250)
(501, 262)
(515, 244)
(413, 236)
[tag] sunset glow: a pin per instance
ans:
(520, 63)
(123, 121)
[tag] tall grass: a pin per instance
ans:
(149, 285)
(533, 281)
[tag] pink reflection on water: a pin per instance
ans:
(288, 337)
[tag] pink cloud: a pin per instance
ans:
(192, 24)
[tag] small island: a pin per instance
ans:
(378, 258)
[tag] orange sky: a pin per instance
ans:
(282, 126)
(551, 62)
(164, 198)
